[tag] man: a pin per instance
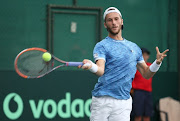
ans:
(115, 63)
(142, 96)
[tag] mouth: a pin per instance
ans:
(114, 27)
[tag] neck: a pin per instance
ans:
(117, 36)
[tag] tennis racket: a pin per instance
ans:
(30, 64)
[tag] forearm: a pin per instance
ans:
(100, 71)
(148, 74)
(149, 71)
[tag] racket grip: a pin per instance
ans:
(74, 63)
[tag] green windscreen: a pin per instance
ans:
(74, 36)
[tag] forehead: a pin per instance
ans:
(112, 15)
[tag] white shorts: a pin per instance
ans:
(106, 108)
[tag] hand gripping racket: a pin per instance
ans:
(30, 64)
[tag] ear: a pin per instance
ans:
(105, 25)
(121, 21)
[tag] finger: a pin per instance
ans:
(165, 51)
(85, 67)
(87, 64)
(162, 57)
(79, 66)
(157, 50)
(84, 61)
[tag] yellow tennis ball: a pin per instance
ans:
(46, 56)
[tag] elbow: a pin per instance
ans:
(100, 73)
(146, 77)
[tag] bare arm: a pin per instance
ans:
(145, 70)
(101, 66)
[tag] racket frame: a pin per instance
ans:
(16, 59)
(53, 57)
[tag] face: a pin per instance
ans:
(113, 23)
(146, 57)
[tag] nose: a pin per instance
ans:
(113, 22)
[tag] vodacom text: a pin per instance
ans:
(65, 108)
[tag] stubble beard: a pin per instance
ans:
(111, 32)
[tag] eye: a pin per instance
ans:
(116, 18)
(109, 19)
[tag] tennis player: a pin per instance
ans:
(116, 61)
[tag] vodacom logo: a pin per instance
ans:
(6, 103)
(64, 108)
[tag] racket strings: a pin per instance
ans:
(30, 63)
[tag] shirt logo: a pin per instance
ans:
(95, 55)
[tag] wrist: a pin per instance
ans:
(158, 62)
(94, 68)
(154, 67)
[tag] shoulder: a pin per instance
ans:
(131, 43)
(103, 43)
(134, 45)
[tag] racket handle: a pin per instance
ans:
(74, 63)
